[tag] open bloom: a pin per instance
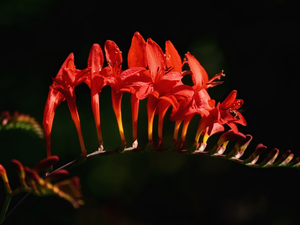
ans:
(224, 113)
(162, 80)
(193, 100)
(62, 88)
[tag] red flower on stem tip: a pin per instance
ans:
(196, 100)
(224, 113)
(62, 88)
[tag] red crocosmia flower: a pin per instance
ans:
(136, 58)
(173, 65)
(193, 100)
(224, 113)
(196, 103)
(116, 78)
(160, 86)
(196, 99)
(96, 83)
(229, 111)
(62, 88)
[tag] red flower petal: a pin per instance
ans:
(114, 58)
(156, 60)
(137, 52)
(46, 163)
(229, 100)
(172, 58)
(96, 59)
(199, 76)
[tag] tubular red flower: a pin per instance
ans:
(54, 99)
(161, 84)
(117, 79)
(71, 101)
(192, 100)
(67, 78)
(97, 82)
(136, 58)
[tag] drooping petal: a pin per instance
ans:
(173, 59)
(137, 52)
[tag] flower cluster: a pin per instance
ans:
(156, 75)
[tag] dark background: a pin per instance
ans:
(255, 43)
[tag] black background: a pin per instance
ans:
(256, 43)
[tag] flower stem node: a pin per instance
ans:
(201, 147)
(134, 144)
(121, 147)
(173, 146)
(82, 157)
(193, 148)
(100, 146)
(149, 147)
